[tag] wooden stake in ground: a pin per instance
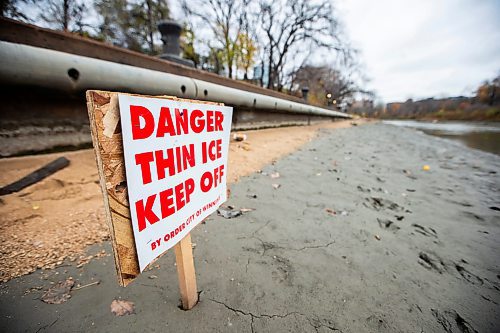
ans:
(185, 272)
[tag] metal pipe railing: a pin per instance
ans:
(28, 65)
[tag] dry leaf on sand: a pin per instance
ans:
(121, 308)
(59, 293)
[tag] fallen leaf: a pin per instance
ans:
(121, 308)
(331, 211)
(59, 293)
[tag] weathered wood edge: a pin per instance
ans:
(102, 181)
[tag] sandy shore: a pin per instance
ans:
(357, 238)
(38, 224)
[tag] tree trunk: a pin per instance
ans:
(65, 15)
(270, 74)
(150, 27)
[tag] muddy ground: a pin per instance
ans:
(357, 237)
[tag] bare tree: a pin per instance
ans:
(146, 15)
(66, 15)
(10, 9)
(289, 26)
(329, 85)
(132, 23)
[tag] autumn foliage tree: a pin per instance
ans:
(246, 50)
(489, 92)
(327, 85)
(224, 21)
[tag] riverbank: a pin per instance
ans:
(37, 224)
(478, 135)
(475, 114)
(349, 233)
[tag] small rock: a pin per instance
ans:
(229, 212)
(239, 137)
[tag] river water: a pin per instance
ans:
(483, 136)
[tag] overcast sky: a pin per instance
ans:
(423, 48)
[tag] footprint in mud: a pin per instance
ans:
(387, 224)
(461, 203)
(472, 215)
(363, 189)
(363, 235)
(409, 174)
(447, 166)
(251, 249)
(426, 231)
(377, 323)
(280, 275)
(472, 278)
(431, 261)
(380, 203)
(452, 321)
(283, 271)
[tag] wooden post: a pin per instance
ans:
(185, 272)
